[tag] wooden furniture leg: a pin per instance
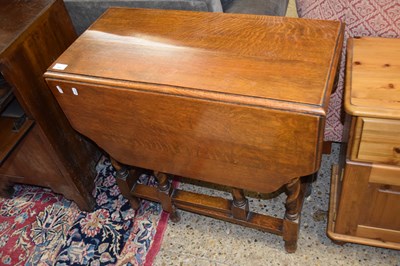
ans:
(164, 194)
(126, 181)
(240, 205)
(291, 219)
(235, 211)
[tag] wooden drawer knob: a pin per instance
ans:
(396, 150)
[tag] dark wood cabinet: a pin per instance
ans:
(40, 147)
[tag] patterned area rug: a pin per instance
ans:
(38, 227)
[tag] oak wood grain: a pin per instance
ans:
(193, 98)
(235, 100)
(246, 55)
(195, 138)
(214, 207)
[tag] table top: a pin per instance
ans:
(279, 62)
(373, 77)
(13, 22)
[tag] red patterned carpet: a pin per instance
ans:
(38, 227)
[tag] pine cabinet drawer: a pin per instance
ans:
(376, 141)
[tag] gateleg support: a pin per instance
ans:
(164, 194)
(292, 215)
(240, 205)
(126, 181)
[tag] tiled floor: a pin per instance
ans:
(198, 240)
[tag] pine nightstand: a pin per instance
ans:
(365, 189)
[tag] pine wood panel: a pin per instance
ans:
(374, 86)
(365, 204)
(378, 233)
(385, 174)
(377, 140)
(366, 235)
(382, 204)
(351, 200)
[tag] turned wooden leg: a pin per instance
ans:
(6, 189)
(164, 195)
(126, 181)
(291, 220)
(240, 205)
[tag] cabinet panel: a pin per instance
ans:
(378, 233)
(52, 154)
(6, 93)
(378, 141)
(381, 206)
(10, 137)
(351, 202)
(369, 209)
(31, 162)
(385, 174)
